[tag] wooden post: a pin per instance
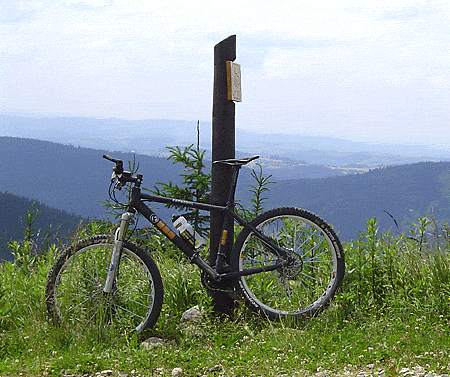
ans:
(223, 147)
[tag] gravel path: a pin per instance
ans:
(372, 371)
(369, 371)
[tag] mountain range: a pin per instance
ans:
(75, 180)
(396, 195)
(153, 135)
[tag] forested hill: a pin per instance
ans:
(69, 178)
(49, 223)
(76, 180)
(406, 192)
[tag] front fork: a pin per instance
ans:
(119, 236)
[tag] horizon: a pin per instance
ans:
(263, 132)
(372, 72)
(311, 141)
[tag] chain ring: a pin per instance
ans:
(212, 286)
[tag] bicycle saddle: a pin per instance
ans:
(236, 161)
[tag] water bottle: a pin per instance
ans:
(188, 233)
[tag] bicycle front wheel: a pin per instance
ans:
(307, 284)
(74, 291)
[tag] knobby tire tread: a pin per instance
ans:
(336, 250)
(67, 253)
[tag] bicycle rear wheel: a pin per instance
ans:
(308, 283)
(74, 291)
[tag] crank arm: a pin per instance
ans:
(252, 271)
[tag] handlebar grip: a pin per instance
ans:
(118, 169)
(116, 161)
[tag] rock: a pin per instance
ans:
(151, 343)
(216, 368)
(192, 315)
(177, 372)
(191, 321)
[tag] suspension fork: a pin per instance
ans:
(119, 236)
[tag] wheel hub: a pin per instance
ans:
(293, 268)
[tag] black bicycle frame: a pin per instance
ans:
(137, 204)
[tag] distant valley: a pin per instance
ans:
(75, 180)
(152, 136)
(396, 195)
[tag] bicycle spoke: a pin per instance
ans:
(318, 269)
(80, 304)
(316, 256)
(136, 302)
(312, 278)
(76, 297)
(307, 281)
(144, 285)
(307, 291)
(130, 312)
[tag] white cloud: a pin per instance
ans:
(90, 3)
(323, 62)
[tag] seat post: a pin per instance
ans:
(233, 186)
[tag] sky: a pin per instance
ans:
(374, 71)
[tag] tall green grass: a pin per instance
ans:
(408, 272)
(393, 312)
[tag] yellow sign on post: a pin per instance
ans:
(234, 89)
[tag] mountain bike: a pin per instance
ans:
(285, 263)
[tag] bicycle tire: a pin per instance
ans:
(305, 287)
(74, 291)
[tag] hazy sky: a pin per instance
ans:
(375, 70)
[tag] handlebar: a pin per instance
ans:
(123, 177)
(118, 169)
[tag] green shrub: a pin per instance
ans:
(397, 273)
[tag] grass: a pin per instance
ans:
(393, 312)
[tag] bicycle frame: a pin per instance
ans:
(285, 263)
(137, 204)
